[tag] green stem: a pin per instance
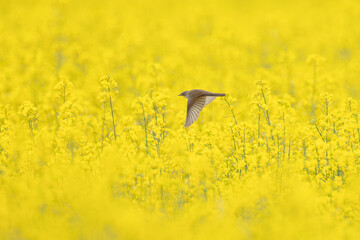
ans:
(31, 131)
(112, 114)
(145, 128)
(266, 111)
(319, 132)
(154, 107)
(64, 92)
(103, 129)
(232, 111)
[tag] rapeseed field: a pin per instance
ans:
(92, 143)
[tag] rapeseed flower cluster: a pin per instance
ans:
(92, 144)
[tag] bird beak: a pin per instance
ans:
(179, 94)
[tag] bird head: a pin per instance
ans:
(184, 94)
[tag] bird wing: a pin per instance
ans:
(209, 99)
(197, 100)
(195, 105)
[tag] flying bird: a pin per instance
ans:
(197, 100)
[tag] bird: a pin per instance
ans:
(197, 100)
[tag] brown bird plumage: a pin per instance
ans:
(197, 100)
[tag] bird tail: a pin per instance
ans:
(218, 94)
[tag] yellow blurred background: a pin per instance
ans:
(92, 144)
